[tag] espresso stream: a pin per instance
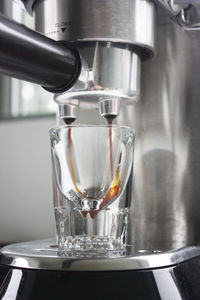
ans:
(115, 187)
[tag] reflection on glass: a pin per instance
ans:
(91, 191)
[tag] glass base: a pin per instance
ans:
(78, 232)
(92, 243)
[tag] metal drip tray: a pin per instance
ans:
(45, 255)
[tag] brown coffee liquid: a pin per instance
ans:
(71, 168)
(112, 192)
(115, 188)
(110, 145)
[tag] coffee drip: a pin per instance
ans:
(116, 179)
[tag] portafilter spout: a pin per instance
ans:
(28, 55)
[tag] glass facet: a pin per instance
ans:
(92, 171)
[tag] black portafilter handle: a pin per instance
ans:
(28, 55)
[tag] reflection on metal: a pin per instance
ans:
(92, 20)
(44, 255)
(167, 162)
(166, 193)
(68, 112)
(171, 6)
(9, 87)
(108, 44)
(185, 13)
(12, 288)
(109, 108)
(189, 17)
(38, 57)
(19, 98)
(166, 280)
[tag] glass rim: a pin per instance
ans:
(93, 126)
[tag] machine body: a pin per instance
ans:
(35, 270)
(165, 214)
(55, 66)
(109, 46)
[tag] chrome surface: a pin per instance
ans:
(93, 20)
(167, 155)
(7, 85)
(109, 70)
(39, 55)
(165, 211)
(111, 48)
(173, 6)
(68, 111)
(29, 5)
(109, 107)
(45, 255)
(189, 17)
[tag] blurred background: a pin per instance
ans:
(26, 114)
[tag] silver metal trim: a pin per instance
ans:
(99, 21)
(29, 5)
(189, 18)
(44, 255)
(70, 111)
(109, 107)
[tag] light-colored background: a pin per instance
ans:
(26, 204)
(26, 197)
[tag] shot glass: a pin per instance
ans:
(92, 175)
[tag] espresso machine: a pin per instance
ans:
(136, 61)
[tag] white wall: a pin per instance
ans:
(26, 202)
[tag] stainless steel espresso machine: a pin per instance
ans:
(139, 61)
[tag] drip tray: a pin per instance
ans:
(44, 254)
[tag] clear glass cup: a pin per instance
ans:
(92, 175)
